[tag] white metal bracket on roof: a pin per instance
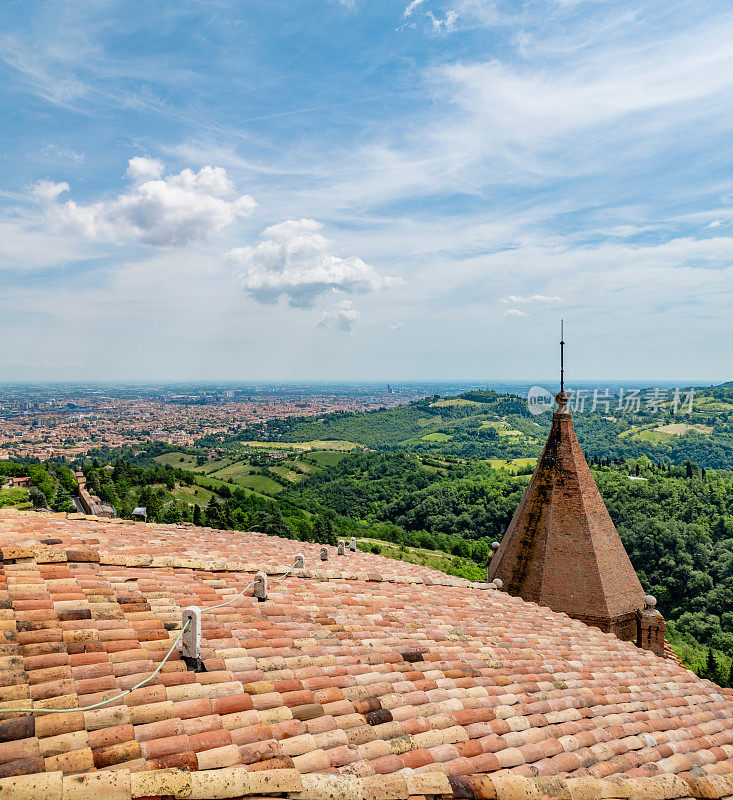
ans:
(260, 587)
(341, 550)
(324, 554)
(352, 544)
(191, 638)
(299, 561)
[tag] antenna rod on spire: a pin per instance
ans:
(562, 355)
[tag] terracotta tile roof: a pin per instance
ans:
(369, 678)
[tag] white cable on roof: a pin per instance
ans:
(152, 674)
(101, 702)
(226, 603)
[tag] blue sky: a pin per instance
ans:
(365, 189)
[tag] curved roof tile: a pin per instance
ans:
(360, 676)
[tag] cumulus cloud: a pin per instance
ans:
(46, 191)
(143, 167)
(295, 260)
(162, 211)
(515, 312)
(342, 316)
(514, 299)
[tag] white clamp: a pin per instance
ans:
(299, 561)
(260, 587)
(352, 544)
(324, 554)
(191, 638)
(341, 550)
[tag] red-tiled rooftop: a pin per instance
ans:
(359, 677)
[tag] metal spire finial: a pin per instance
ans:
(562, 355)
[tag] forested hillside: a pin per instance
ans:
(491, 425)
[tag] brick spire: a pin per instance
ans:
(561, 548)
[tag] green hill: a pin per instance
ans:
(487, 424)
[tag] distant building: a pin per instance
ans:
(19, 482)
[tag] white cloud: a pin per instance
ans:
(144, 167)
(515, 312)
(47, 191)
(514, 299)
(342, 316)
(163, 211)
(448, 23)
(295, 260)
(411, 7)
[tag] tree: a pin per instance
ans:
(213, 514)
(270, 522)
(38, 498)
(711, 668)
(323, 530)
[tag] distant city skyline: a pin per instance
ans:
(348, 190)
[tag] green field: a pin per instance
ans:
(244, 474)
(179, 460)
(210, 467)
(434, 559)
(216, 483)
(653, 436)
(678, 428)
(436, 437)
(315, 444)
(195, 495)
(17, 497)
(189, 463)
(663, 434)
(508, 463)
(231, 472)
(454, 401)
(322, 458)
(284, 471)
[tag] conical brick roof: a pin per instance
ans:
(561, 548)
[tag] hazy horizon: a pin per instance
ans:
(501, 384)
